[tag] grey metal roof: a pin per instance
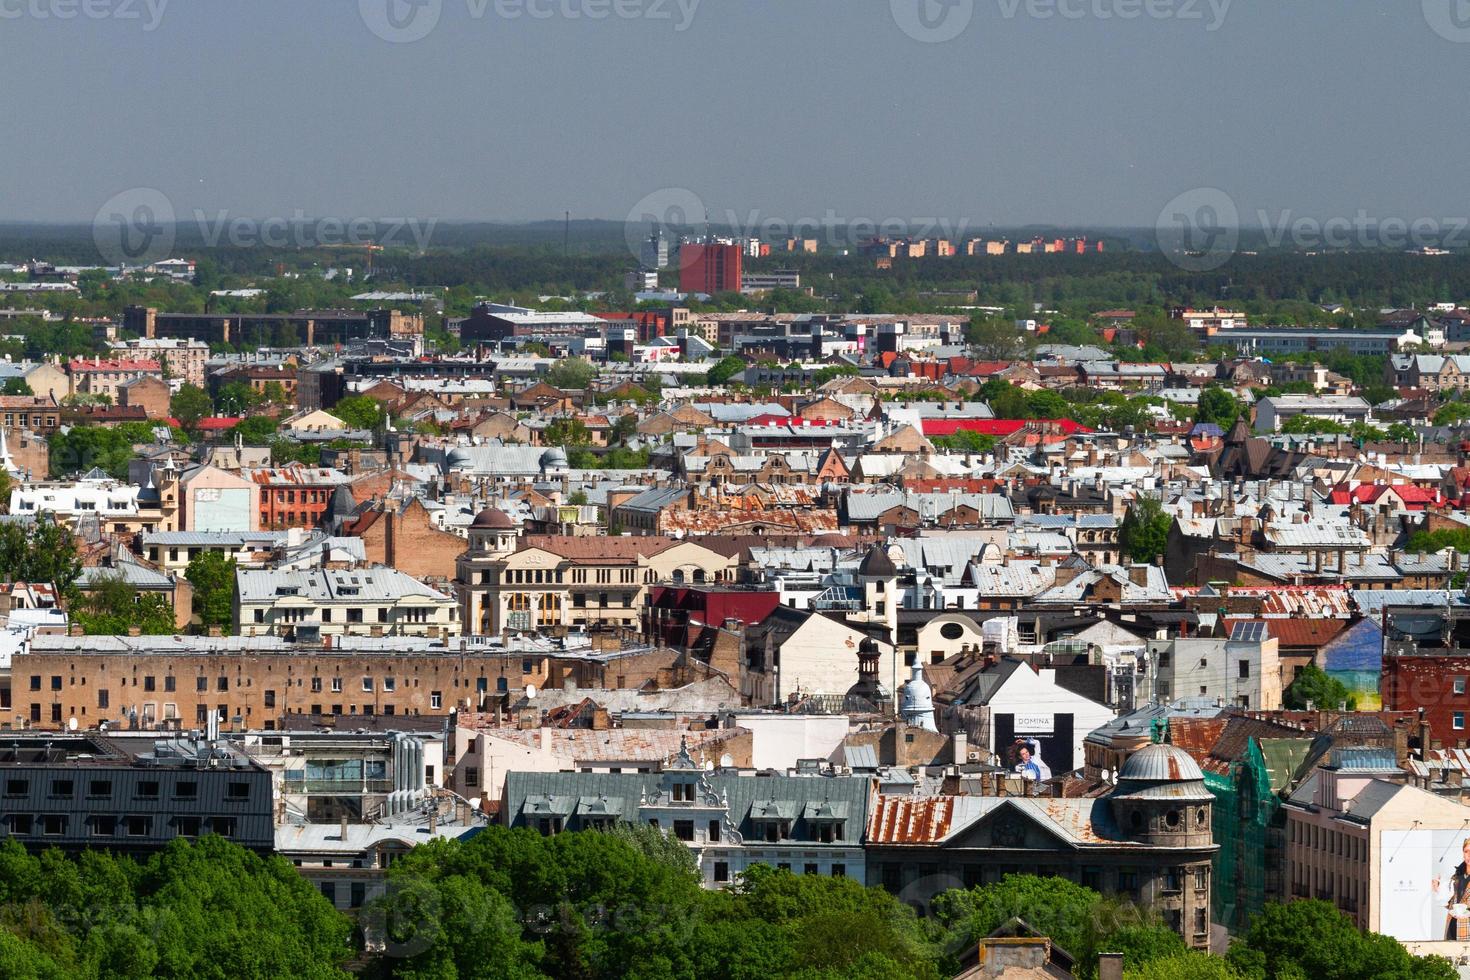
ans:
(331, 585)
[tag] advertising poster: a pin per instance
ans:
(1036, 744)
(1424, 885)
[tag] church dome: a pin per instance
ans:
(493, 518)
(1161, 763)
(554, 458)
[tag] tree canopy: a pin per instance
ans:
(212, 576)
(1144, 533)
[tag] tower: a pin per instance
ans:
(917, 702)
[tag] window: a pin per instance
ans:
(17, 787)
(147, 789)
(1201, 878)
(1459, 685)
(1245, 669)
(684, 830)
(103, 826)
(270, 699)
(809, 869)
(336, 685)
(61, 789)
(839, 871)
(222, 683)
(359, 894)
(187, 826)
(436, 700)
(224, 826)
(35, 682)
(187, 790)
(201, 683)
(1459, 721)
(722, 871)
(139, 826)
(1200, 925)
(99, 788)
(55, 682)
(170, 683)
(367, 683)
(390, 684)
(471, 776)
(239, 791)
(316, 685)
(714, 831)
(149, 684)
(56, 712)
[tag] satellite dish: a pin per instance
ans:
(71, 724)
(530, 691)
(727, 761)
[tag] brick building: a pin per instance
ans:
(294, 496)
(254, 682)
(149, 393)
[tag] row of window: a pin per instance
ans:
(145, 789)
(107, 825)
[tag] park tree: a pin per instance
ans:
(189, 405)
(43, 551)
(722, 372)
(1144, 533)
(212, 577)
(573, 373)
(995, 338)
(1218, 406)
(1311, 938)
(359, 412)
(111, 606)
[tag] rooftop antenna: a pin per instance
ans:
(566, 234)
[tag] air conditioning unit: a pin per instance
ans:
(213, 762)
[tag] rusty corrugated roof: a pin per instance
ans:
(910, 819)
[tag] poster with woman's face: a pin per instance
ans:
(1424, 885)
(1024, 758)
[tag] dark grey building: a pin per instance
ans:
(76, 791)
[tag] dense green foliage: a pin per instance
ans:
(190, 404)
(1313, 684)
(1429, 542)
(726, 369)
(1313, 939)
(1144, 533)
(1220, 407)
(212, 576)
(360, 412)
(43, 552)
(111, 606)
(209, 910)
(573, 373)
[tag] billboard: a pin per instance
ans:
(1039, 742)
(1424, 884)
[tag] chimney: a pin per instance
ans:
(1110, 966)
(961, 748)
(1138, 574)
(343, 838)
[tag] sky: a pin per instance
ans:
(1080, 113)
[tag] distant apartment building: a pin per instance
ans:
(710, 269)
(304, 327)
(293, 496)
(184, 359)
(103, 378)
(780, 279)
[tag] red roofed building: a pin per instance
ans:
(218, 423)
(648, 323)
(1399, 496)
(104, 377)
(1001, 428)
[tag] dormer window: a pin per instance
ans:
(683, 792)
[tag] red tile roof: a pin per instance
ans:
(910, 819)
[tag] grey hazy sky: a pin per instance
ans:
(791, 107)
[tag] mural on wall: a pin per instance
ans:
(1355, 658)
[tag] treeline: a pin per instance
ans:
(620, 903)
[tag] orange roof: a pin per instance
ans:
(910, 819)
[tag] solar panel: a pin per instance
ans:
(1248, 632)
